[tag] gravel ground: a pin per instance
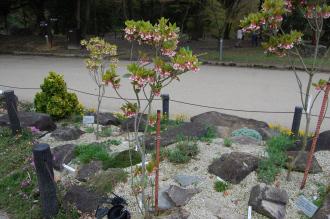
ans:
(208, 203)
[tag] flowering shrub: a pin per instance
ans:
(100, 52)
(148, 76)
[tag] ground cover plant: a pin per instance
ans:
(220, 186)
(276, 158)
(183, 151)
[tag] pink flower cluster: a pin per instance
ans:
(286, 46)
(140, 82)
(313, 13)
(129, 33)
(251, 27)
(168, 52)
(187, 66)
(162, 72)
(288, 5)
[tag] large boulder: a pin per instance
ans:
(324, 211)
(67, 133)
(181, 196)
(107, 119)
(129, 124)
(62, 155)
(186, 180)
(234, 167)
(323, 143)
(300, 164)
(172, 135)
(41, 121)
(269, 201)
(84, 199)
(233, 122)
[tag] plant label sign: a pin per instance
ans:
(88, 120)
(306, 206)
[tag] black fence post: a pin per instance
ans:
(166, 104)
(11, 105)
(44, 167)
(296, 121)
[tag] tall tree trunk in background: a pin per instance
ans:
(124, 6)
(78, 14)
(130, 9)
(142, 10)
(226, 33)
(94, 17)
(86, 17)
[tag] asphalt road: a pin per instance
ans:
(228, 87)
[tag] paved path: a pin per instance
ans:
(229, 87)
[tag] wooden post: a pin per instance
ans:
(166, 105)
(157, 161)
(11, 105)
(316, 135)
(44, 167)
(296, 121)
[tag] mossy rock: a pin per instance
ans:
(104, 182)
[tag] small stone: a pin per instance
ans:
(181, 196)
(62, 155)
(300, 164)
(164, 201)
(185, 180)
(178, 213)
(107, 119)
(245, 140)
(67, 133)
(89, 170)
(223, 132)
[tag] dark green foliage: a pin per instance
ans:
(55, 100)
(220, 186)
(105, 132)
(122, 159)
(270, 167)
(183, 151)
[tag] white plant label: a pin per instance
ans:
(69, 168)
(88, 120)
(1, 91)
(306, 206)
(250, 212)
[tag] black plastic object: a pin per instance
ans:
(117, 211)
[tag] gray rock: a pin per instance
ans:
(62, 155)
(89, 170)
(219, 211)
(232, 122)
(66, 133)
(84, 199)
(181, 196)
(3, 215)
(107, 119)
(177, 213)
(164, 201)
(234, 167)
(128, 124)
(173, 135)
(224, 132)
(324, 211)
(269, 201)
(41, 121)
(300, 165)
(245, 140)
(185, 180)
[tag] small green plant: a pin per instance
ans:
(209, 135)
(220, 186)
(106, 181)
(183, 151)
(247, 132)
(114, 142)
(322, 191)
(227, 142)
(85, 153)
(163, 154)
(277, 158)
(106, 132)
(55, 100)
(122, 159)
(89, 129)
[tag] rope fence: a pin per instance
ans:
(171, 100)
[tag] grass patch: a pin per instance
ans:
(122, 159)
(276, 149)
(220, 186)
(105, 132)
(18, 181)
(183, 151)
(85, 153)
(114, 142)
(322, 191)
(89, 129)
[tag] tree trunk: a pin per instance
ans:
(78, 14)
(86, 17)
(226, 33)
